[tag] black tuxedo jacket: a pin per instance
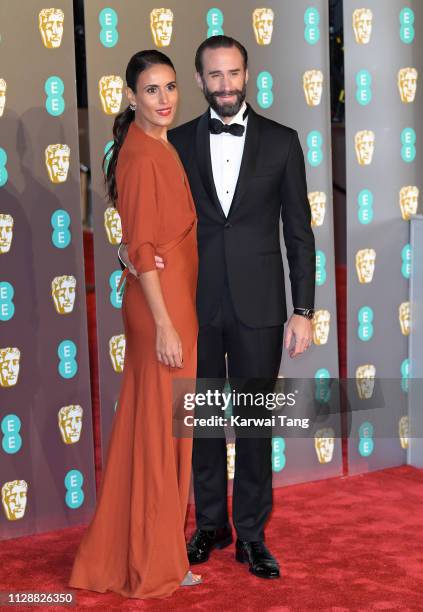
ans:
(245, 245)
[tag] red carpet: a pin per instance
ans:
(344, 544)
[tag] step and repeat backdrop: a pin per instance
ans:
(46, 455)
(384, 104)
(289, 82)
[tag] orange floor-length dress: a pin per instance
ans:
(135, 543)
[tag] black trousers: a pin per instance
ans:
(250, 353)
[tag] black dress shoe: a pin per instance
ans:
(204, 541)
(262, 563)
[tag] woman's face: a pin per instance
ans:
(156, 97)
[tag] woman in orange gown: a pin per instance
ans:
(135, 543)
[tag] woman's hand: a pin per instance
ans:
(169, 346)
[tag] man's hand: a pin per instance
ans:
(298, 334)
(123, 256)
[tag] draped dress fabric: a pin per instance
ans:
(135, 543)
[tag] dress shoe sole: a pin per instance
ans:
(242, 559)
(219, 545)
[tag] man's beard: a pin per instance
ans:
(225, 110)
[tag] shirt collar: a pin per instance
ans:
(236, 118)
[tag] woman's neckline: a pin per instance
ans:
(147, 134)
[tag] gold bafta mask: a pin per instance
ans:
(407, 84)
(365, 380)
(70, 423)
(324, 443)
(110, 88)
(321, 326)
(3, 88)
(57, 162)
(365, 265)
(113, 225)
(403, 431)
(263, 19)
(117, 352)
(313, 86)
(317, 200)
(408, 201)
(404, 318)
(50, 23)
(6, 232)
(230, 456)
(9, 366)
(161, 25)
(362, 25)
(13, 496)
(63, 289)
(364, 147)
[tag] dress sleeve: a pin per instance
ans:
(137, 205)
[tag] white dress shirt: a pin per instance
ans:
(226, 153)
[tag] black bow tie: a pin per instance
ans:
(217, 127)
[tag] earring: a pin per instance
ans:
(133, 106)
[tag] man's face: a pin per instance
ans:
(224, 80)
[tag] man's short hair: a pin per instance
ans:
(218, 42)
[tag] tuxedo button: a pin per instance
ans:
(228, 225)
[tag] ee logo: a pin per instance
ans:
(12, 441)
(314, 143)
(408, 140)
(365, 206)
(322, 386)
(311, 21)
(115, 296)
(3, 170)
(365, 323)
(61, 236)
(55, 103)
(108, 20)
(366, 444)
(108, 152)
(278, 454)
(405, 374)
(7, 307)
(215, 22)
(363, 94)
(74, 494)
(264, 93)
(406, 18)
(320, 268)
(66, 352)
(406, 261)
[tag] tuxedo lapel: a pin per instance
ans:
(204, 160)
(249, 159)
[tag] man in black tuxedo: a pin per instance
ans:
(245, 171)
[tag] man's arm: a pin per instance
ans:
(125, 263)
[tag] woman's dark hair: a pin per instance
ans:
(137, 64)
(217, 42)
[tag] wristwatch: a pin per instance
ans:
(308, 313)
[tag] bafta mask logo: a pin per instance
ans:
(364, 147)
(313, 86)
(404, 317)
(365, 265)
(50, 23)
(161, 24)
(57, 162)
(110, 88)
(317, 200)
(362, 25)
(263, 19)
(230, 456)
(117, 352)
(365, 380)
(324, 443)
(113, 225)
(403, 431)
(321, 326)
(13, 496)
(408, 201)
(70, 423)
(63, 289)
(407, 84)
(9, 366)
(3, 88)
(6, 232)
